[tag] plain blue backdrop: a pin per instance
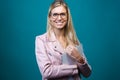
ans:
(97, 24)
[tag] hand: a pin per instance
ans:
(73, 52)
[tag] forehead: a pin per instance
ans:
(58, 9)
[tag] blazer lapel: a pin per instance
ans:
(55, 44)
(57, 47)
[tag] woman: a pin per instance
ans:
(58, 52)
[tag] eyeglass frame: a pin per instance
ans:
(63, 15)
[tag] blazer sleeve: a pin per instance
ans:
(85, 68)
(47, 69)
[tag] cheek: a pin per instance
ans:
(65, 21)
(52, 20)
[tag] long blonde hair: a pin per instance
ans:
(70, 34)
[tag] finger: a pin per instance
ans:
(67, 50)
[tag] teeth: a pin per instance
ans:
(58, 22)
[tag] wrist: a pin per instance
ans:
(81, 60)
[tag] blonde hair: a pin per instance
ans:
(70, 34)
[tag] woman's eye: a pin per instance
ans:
(62, 14)
(55, 14)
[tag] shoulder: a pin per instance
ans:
(42, 37)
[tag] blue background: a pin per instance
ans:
(97, 24)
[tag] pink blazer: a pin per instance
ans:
(52, 63)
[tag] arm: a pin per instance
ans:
(47, 69)
(83, 65)
(85, 69)
(78, 55)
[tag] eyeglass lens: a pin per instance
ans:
(55, 15)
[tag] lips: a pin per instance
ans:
(59, 23)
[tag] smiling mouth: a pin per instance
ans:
(59, 23)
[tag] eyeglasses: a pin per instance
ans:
(62, 15)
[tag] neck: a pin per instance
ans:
(59, 33)
(60, 36)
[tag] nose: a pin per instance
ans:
(59, 17)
